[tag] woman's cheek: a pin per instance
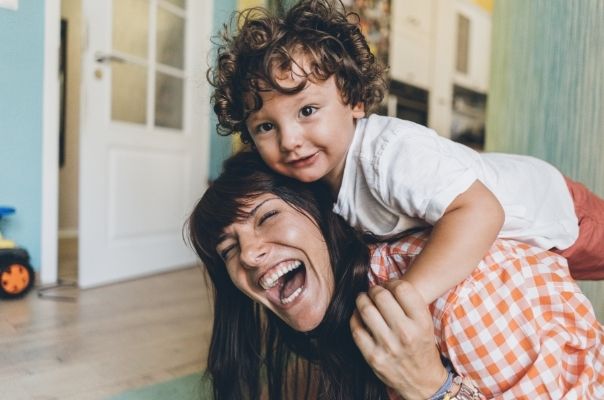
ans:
(292, 235)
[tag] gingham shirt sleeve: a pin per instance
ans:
(519, 326)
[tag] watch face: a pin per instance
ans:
(467, 390)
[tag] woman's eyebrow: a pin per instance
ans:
(224, 236)
(255, 209)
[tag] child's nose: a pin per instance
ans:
(291, 137)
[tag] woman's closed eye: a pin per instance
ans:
(226, 247)
(224, 250)
(267, 215)
(307, 111)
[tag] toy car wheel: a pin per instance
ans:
(16, 278)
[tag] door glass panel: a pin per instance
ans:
(131, 26)
(170, 38)
(128, 93)
(179, 3)
(168, 101)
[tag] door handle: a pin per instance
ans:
(105, 58)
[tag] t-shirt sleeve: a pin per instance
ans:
(420, 173)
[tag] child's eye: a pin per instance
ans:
(264, 127)
(307, 111)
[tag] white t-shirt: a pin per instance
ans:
(401, 175)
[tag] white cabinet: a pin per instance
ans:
(410, 59)
(424, 47)
(411, 41)
(474, 46)
(445, 56)
(412, 15)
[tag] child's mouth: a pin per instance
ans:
(304, 161)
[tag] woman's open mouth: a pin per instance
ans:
(285, 283)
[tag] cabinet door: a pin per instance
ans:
(410, 58)
(473, 35)
(412, 15)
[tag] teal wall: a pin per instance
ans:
(546, 96)
(220, 147)
(21, 93)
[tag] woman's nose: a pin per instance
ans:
(291, 137)
(253, 251)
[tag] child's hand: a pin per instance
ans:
(393, 329)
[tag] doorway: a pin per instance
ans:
(134, 143)
(69, 133)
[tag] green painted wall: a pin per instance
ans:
(546, 95)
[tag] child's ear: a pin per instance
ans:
(358, 110)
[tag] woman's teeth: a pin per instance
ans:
(292, 296)
(268, 281)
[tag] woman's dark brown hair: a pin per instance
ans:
(257, 44)
(252, 351)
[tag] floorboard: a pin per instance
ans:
(95, 343)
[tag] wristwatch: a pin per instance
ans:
(463, 389)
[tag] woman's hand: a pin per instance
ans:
(393, 329)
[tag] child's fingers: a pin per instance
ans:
(373, 319)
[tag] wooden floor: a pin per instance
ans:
(94, 343)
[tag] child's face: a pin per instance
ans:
(305, 135)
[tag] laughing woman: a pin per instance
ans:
(304, 309)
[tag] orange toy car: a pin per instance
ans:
(16, 274)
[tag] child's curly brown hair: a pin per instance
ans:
(265, 43)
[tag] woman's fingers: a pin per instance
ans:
(400, 350)
(371, 316)
(409, 300)
(361, 336)
(388, 306)
(394, 314)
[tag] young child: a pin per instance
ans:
(298, 88)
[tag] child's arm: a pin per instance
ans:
(459, 240)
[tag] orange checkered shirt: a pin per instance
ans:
(518, 326)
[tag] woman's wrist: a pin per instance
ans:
(422, 388)
(457, 387)
(444, 388)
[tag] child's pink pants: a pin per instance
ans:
(586, 256)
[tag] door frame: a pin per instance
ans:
(48, 272)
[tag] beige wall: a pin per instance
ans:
(71, 10)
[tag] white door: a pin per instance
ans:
(144, 134)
